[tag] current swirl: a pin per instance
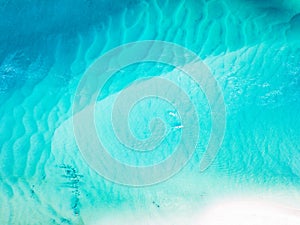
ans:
(93, 81)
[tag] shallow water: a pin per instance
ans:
(251, 47)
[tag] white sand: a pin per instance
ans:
(230, 212)
(249, 212)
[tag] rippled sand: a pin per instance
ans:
(252, 48)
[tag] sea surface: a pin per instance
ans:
(252, 48)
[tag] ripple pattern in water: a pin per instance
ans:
(252, 48)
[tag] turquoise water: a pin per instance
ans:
(252, 49)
